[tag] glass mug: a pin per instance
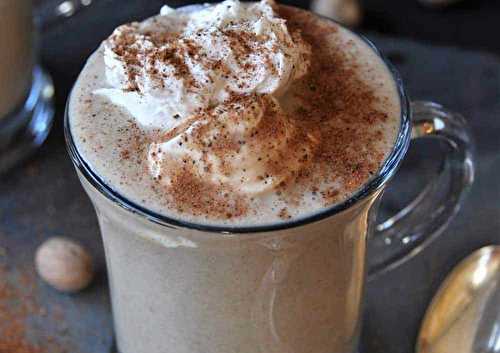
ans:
(295, 287)
(26, 90)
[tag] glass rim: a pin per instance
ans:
(385, 172)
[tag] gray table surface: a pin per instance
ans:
(43, 198)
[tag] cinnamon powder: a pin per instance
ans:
(336, 118)
(18, 303)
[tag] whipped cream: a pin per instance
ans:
(248, 144)
(166, 68)
(251, 158)
(208, 81)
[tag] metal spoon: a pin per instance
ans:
(464, 315)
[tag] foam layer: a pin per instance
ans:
(282, 154)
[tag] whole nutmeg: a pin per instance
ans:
(64, 264)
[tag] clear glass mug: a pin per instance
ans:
(26, 90)
(287, 288)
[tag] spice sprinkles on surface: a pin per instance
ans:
(253, 154)
(147, 50)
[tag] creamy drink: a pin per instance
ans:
(194, 126)
(232, 116)
(16, 57)
(26, 90)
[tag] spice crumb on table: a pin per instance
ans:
(18, 308)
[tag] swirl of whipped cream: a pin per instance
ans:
(209, 82)
(166, 68)
(247, 143)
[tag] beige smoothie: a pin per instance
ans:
(16, 57)
(236, 115)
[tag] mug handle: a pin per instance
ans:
(405, 234)
(49, 15)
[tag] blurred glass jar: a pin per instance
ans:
(26, 90)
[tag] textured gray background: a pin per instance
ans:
(43, 198)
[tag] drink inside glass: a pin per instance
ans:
(25, 90)
(16, 67)
(235, 155)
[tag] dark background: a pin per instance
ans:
(473, 24)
